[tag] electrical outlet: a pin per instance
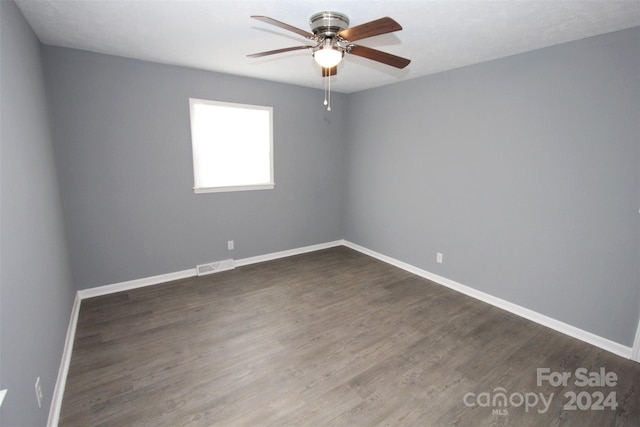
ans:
(230, 245)
(39, 392)
(439, 258)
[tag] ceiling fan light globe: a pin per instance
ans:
(328, 57)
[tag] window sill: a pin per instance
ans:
(234, 188)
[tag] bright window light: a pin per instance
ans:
(232, 146)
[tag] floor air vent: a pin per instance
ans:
(215, 267)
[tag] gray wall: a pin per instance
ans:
(36, 292)
(122, 135)
(524, 172)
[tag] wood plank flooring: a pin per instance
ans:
(329, 338)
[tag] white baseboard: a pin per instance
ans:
(61, 381)
(588, 337)
(284, 254)
(163, 278)
(137, 283)
(635, 354)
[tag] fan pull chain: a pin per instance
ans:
(325, 92)
(329, 103)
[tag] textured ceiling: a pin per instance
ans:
(218, 34)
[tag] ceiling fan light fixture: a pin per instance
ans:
(328, 56)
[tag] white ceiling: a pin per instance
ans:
(217, 35)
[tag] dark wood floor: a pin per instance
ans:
(328, 338)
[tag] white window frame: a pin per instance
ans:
(200, 188)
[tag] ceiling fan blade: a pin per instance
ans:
(328, 72)
(277, 23)
(377, 55)
(379, 26)
(272, 52)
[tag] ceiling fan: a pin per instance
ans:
(333, 38)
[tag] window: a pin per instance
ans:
(232, 146)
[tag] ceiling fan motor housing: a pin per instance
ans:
(328, 24)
